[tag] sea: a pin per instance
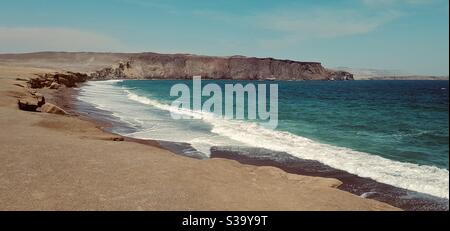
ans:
(385, 140)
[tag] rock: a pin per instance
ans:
(110, 73)
(117, 139)
(28, 104)
(69, 79)
(340, 75)
(31, 91)
(36, 83)
(113, 138)
(38, 96)
(54, 85)
(53, 109)
(122, 66)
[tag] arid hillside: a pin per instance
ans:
(174, 66)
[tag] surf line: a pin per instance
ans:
(233, 100)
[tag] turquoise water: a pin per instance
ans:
(394, 132)
(400, 120)
(404, 121)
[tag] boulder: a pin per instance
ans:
(32, 91)
(117, 139)
(65, 80)
(40, 98)
(54, 85)
(36, 83)
(28, 104)
(53, 109)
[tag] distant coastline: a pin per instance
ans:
(410, 77)
(381, 74)
(104, 66)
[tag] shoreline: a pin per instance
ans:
(53, 162)
(103, 121)
(358, 186)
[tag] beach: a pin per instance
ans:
(55, 162)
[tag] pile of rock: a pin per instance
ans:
(35, 102)
(340, 75)
(115, 72)
(55, 81)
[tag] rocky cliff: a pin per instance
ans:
(158, 66)
(179, 66)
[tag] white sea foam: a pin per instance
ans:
(113, 81)
(425, 179)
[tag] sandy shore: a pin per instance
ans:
(53, 162)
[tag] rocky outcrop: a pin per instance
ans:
(115, 72)
(54, 81)
(71, 79)
(159, 66)
(340, 75)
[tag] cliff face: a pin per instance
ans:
(158, 66)
(182, 66)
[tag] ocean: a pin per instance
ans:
(395, 133)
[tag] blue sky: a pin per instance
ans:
(407, 35)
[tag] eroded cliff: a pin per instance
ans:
(102, 66)
(158, 66)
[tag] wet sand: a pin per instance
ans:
(368, 188)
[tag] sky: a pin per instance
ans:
(411, 36)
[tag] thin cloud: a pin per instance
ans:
(31, 39)
(320, 24)
(284, 27)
